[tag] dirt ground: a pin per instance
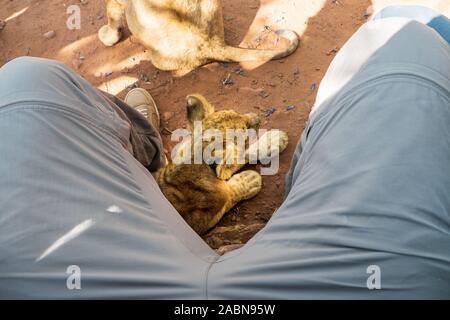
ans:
(287, 87)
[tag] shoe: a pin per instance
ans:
(140, 100)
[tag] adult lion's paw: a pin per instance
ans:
(109, 36)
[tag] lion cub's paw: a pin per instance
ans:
(269, 145)
(284, 140)
(109, 36)
(245, 185)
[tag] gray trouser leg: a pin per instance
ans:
(80, 217)
(367, 207)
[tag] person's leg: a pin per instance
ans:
(367, 205)
(143, 117)
(422, 14)
(77, 208)
(294, 166)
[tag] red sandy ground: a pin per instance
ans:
(284, 83)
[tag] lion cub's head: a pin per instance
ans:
(225, 139)
(199, 109)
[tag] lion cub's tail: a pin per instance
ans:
(234, 54)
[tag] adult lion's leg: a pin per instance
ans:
(110, 34)
(216, 20)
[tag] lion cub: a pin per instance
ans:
(203, 193)
(182, 35)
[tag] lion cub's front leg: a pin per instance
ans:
(243, 186)
(110, 34)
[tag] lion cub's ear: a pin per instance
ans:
(197, 109)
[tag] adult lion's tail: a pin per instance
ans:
(234, 54)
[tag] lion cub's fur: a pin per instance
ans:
(201, 194)
(182, 35)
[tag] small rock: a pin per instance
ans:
(50, 34)
(279, 75)
(239, 71)
(228, 81)
(313, 87)
(166, 116)
(2, 24)
(144, 78)
(84, 2)
(106, 74)
(264, 94)
(332, 51)
(98, 74)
